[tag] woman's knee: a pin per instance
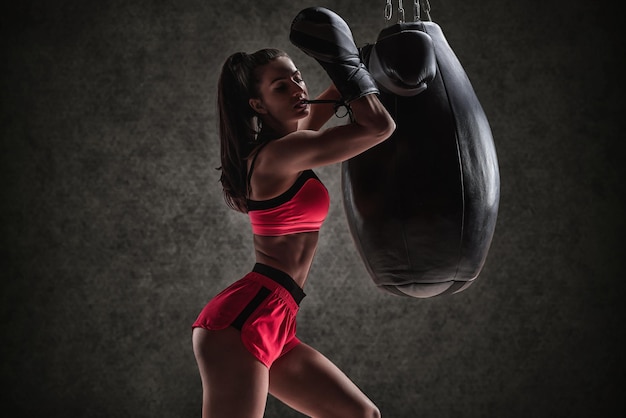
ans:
(358, 410)
(369, 411)
(375, 412)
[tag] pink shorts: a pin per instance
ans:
(263, 306)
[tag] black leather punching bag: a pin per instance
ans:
(422, 206)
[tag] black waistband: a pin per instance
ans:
(282, 279)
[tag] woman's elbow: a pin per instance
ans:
(390, 126)
(385, 127)
(370, 113)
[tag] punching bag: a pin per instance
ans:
(422, 206)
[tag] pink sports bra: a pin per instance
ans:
(302, 208)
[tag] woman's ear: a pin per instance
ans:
(257, 106)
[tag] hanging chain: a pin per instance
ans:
(400, 12)
(426, 7)
(388, 10)
(417, 9)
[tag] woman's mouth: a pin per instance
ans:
(301, 104)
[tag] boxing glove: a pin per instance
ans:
(325, 36)
(402, 61)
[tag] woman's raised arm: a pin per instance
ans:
(306, 149)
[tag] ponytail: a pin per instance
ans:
(238, 83)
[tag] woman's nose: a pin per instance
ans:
(298, 87)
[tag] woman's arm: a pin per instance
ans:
(322, 112)
(306, 149)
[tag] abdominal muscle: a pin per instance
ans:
(292, 253)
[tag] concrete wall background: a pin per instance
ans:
(114, 232)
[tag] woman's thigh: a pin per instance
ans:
(234, 382)
(307, 381)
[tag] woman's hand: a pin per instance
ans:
(321, 112)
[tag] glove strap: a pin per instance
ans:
(347, 110)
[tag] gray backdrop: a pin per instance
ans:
(114, 232)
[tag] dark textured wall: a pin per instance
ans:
(114, 232)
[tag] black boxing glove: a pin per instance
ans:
(403, 59)
(325, 36)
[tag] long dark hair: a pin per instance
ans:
(238, 127)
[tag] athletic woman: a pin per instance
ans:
(271, 138)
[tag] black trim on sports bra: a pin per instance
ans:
(284, 197)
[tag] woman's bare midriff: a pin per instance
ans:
(292, 253)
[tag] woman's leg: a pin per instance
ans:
(234, 382)
(310, 383)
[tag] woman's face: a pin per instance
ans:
(282, 90)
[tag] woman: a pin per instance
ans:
(244, 339)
